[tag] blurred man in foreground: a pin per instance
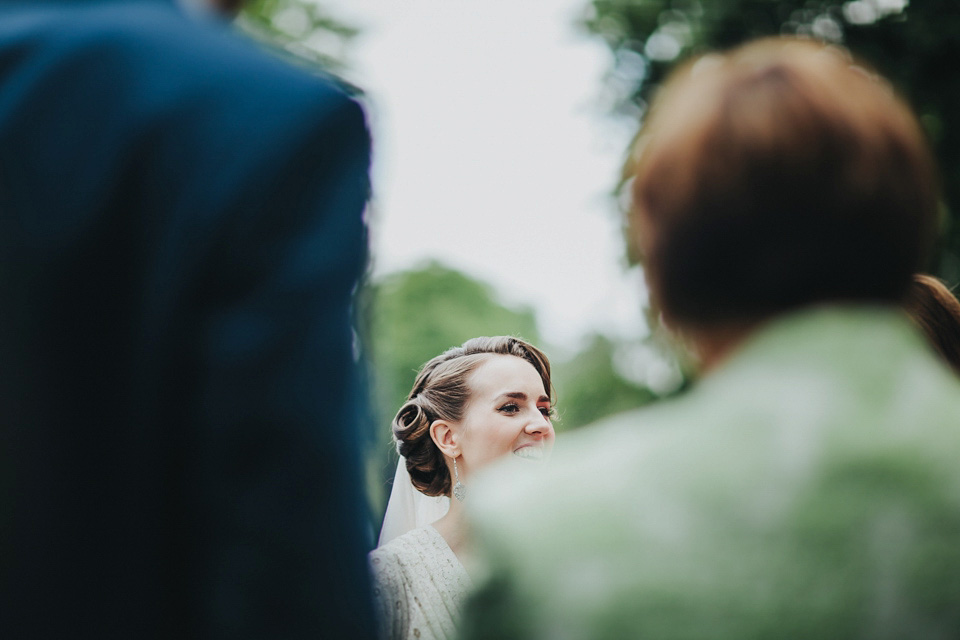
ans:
(180, 234)
(807, 487)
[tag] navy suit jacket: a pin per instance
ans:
(180, 235)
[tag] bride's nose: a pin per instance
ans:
(538, 424)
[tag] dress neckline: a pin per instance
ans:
(441, 543)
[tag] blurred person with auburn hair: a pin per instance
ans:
(934, 308)
(783, 197)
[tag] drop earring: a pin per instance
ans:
(459, 491)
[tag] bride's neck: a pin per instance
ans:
(453, 529)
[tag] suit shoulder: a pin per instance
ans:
(201, 79)
(150, 47)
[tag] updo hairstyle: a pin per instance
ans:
(441, 392)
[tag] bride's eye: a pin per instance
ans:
(510, 408)
(548, 412)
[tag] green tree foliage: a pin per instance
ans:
(302, 29)
(915, 44)
(589, 387)
(418, 314)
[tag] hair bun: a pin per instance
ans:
(425, 463)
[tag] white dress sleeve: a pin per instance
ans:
(419, 586)
(389, 594)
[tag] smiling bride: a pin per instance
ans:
(473, 404)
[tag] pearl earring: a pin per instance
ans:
(459, 491)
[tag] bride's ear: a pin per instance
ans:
(445, 437)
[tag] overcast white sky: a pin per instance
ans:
(494, 155)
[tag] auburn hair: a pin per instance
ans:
(774, 176)
(936, 311)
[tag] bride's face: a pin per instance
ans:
(508, 413)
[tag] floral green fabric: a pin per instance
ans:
(807, 488)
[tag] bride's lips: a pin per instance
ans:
(529, 452)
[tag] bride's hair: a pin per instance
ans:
(440, 392)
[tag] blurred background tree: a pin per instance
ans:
(418, 314)
(590, 386)
(915, 45)
(305, 31)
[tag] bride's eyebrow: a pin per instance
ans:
(520, 395)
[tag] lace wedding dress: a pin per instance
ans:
(419, 586)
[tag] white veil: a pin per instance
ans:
(407, 508)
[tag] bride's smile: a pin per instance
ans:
(529, 452)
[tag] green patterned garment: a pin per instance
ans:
(809, 487)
